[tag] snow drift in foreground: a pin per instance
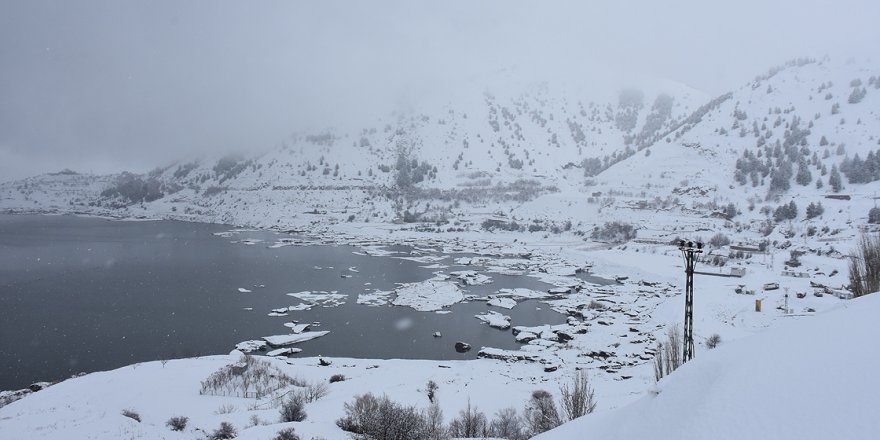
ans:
(809, 379)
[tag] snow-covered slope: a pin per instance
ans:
(538, 152)
(809, 379)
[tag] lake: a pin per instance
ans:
(84, 294)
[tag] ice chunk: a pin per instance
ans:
(282, 340)
(495, 319)
(375, 298)
(507, 303)
(471, 278)
(429, 295)
(297, 328)
(284, 351)
(249, 346)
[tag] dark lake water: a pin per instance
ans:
(84, 294)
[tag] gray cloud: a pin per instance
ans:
(107, 85)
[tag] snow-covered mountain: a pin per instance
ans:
(534, 167)
(532, 153)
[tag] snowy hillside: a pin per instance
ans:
(776, 177)
(538, 153)
(482, 144)
(807, 379)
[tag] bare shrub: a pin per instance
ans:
(293, 409)
(864, 266)
(373, 418)
(718, 240)
(226, 408)
(431, 390)
(287, 434)
(596, 305)
(177, 423)
(507, 424)
(249, 377)
(614, 232)
(713, 341)
(132, 414)
(541, 414)
(337, 378)
(577, 399)
(470, 423)
(224, 432)
(315, 391)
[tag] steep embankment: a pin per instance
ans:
(809, 379)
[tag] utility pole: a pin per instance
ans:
(688, 251)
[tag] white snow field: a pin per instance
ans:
(509, 185)
(805, 379)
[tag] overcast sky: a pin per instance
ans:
(103, 86)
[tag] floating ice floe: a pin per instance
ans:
(523, 293)
(507, 303)
(427, 296)
(249, 346)
(495, 319)
(471, 278)
(375, 298)
(249, 241)
(282, 340)
(297, 328)
(243, 290)
(434, 266)
(425, 258)
(321, 298)
(375, 251)
(273, 313)
(284, 351)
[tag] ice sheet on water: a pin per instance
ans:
(297, 328)
(507, 303)
(430, 295)
(494, 319)
(282, 340)
(321, 298)
(520, 292)
(471, 278)
(375, 298)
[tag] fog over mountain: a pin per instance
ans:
(103, 86)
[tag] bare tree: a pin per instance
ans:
(668, 356)
(577, 399)
(434, 423)
(507, 424)
(864, 266)
(541, 414)
(470, 423)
